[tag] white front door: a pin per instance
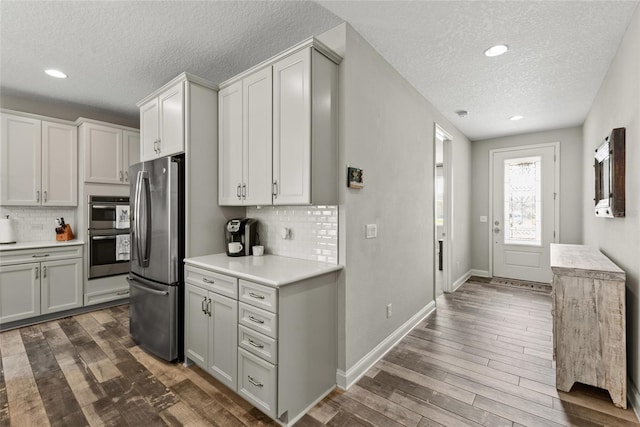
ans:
(524, 212)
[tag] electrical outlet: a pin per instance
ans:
(371, 231)
(389, 311)
(36, 226)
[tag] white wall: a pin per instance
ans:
(570, 140)
(617, 104)
(387, 129)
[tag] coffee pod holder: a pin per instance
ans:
(67, 234)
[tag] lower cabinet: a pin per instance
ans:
(211, 333)
(31, 289)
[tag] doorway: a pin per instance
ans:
(524, 211)
(442, 211)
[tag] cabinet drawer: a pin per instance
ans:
(105, 296)
(257, 382)
(215, 282)
(258, 344)
(261, 296)
(258, 320)
(22, 256)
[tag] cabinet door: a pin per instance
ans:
(292, 129)
(196, 325)
(102, 154)
(257, 138)
(230, 145)
(149, 130)
(20, 156)
(223, 339)
(59, 164)
(130, 151)
(172, 120)
(61, 285)
(19, 292)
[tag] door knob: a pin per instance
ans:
(496, 230)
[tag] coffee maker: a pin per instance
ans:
(242, 235)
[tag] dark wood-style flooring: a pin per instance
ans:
(485, 358)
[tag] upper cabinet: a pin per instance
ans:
(109, 150)
(278, 130)
(167, 112)
(39, 161)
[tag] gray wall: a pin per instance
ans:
(62, 110)
(387, 128)
(570, 140)
(617, 104)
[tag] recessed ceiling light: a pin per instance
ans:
(56, 73)
(496, 50)
(462, 113)
(516, 118)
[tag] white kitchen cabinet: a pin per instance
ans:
(245, 141)
(211, 326)
(39, 162)
(109, 150)
(288, 132)
(39, 281)
(162, 121)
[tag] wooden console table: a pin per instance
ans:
(589, 338)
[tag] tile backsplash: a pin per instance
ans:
(32, 224)
(314, 231)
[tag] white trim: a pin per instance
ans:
(307, 409)
(461, 281)
(556, 189)
(633, 396)
(479, 273)
(353, 374)
(447, 174)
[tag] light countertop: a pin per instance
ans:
(40, 244)
(270, 270)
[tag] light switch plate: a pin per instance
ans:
(371, 231)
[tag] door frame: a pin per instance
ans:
(556, 191)
(447, 202)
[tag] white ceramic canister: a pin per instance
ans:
(7, 234)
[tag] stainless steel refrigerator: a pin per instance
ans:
(157, 250)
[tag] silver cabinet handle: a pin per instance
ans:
(123, 293)
(38, 196)
(256, 320)
(209, 307)
(44, 272)
(244, 191)
(205, 280)
(40, 256)
(253, 295)
(126, 176)
(254, 382)
(121, 176)
(274, 189)
(202, 305)
(37, 272)
(46, 196)
(255, 344)
(238, 192)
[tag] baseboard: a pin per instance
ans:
(307, 409)
(480, 273)
(461, 280)
(353, 374)
(633, 396)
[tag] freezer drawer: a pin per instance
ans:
(153, 310)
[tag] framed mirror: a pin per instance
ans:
(609, 175)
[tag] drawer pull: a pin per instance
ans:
(254, 382)
(123, 293)
(40, 256)
(205, 280)
(253, 295)
(256, 320)
(255, 344)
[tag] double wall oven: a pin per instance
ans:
(108, 232)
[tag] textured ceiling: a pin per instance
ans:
(117, 52)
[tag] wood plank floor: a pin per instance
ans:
(483, 359)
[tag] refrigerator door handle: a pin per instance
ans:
(142, 233)
(138, 285)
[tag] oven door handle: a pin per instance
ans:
(137, 285)
(102, 207)
(103, 237)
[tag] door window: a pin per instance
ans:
(522, 201)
